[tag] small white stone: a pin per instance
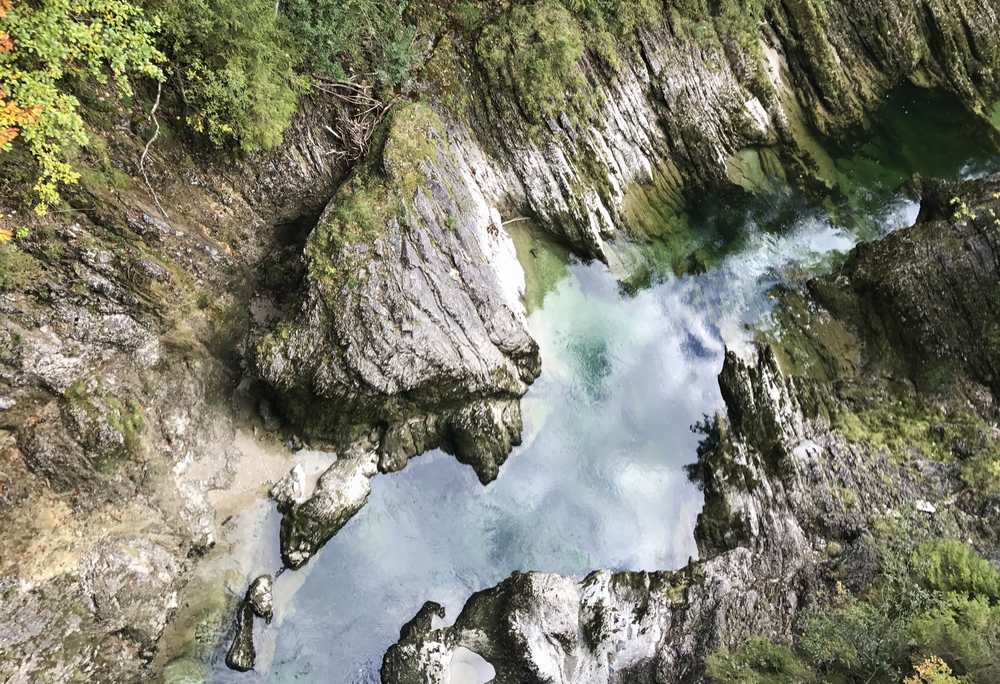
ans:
(925, 507)
(291, 488)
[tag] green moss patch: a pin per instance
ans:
(110, 427)
(377, 194)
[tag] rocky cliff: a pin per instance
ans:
(122, 442)
(842, 423)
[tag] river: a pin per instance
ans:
(599, 481)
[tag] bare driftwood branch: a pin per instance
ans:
(145, 151)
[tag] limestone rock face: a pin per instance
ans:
(118, 352)
(793, 484)
(694, 92)
(114, 425)
(415, 332)
(407, 329)
(340, 493)
(132, 584)
(291, 488)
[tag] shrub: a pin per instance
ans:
(43, 46)
(863, 639)
(758, 661)
(948, 565)
(982, 473)
(234, 64)
(935, 612)
(965, 633)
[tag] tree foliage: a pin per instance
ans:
(353, 39)
(45, 44)
(233, 63)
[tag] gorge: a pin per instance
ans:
(544, 284)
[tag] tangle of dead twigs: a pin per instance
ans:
(359, 113)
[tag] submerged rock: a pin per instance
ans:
(260, 599)
(242, 655)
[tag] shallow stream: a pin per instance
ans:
(599, 481)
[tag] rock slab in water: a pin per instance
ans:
(340, 493)
(257, 602)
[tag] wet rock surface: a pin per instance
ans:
(257, 602)
(792, 484)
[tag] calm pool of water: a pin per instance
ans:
(598, 483)
(599, 480)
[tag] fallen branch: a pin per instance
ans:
(145, 151)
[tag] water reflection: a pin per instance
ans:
(598, 482)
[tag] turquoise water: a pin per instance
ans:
(599, 481)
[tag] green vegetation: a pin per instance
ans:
(17, 268)
(932, 617)
(534, 52)
(352, 39)
(234, 71)
(240, 67)
(44, 46)
(110, 428)
(759, 662)
(233, 66)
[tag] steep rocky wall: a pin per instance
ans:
(694, 89)
(118, 439)
(824, 440)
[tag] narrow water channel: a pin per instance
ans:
(599, 481)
